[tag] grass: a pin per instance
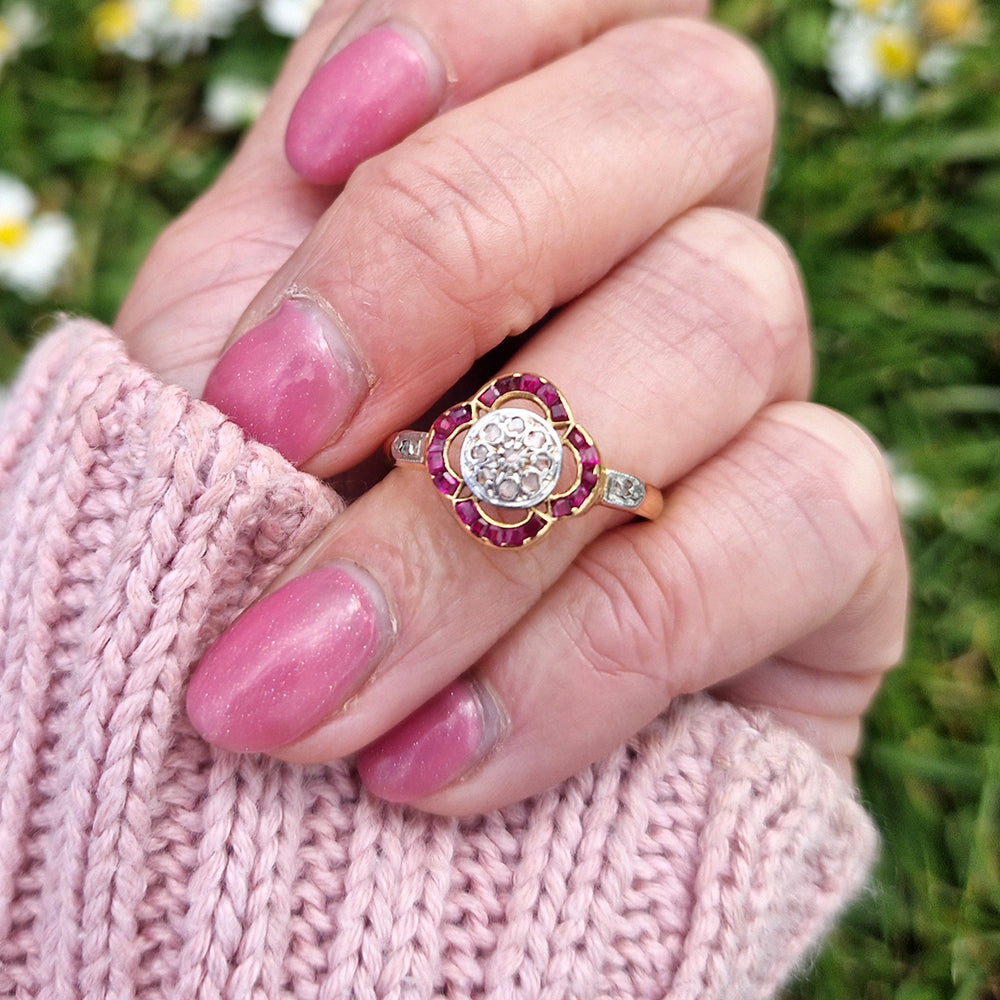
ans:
(897, 228)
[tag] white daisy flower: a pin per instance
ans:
(20, 26)
(868, 8)
(187, 26)
(875, 61)
(911, 492)
(34, 247)
(288, 17)
(233, 103)
(126, 27)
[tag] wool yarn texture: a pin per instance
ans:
(704, 859)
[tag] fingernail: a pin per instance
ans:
(292, 382)
(364, 99)
(434, 746)
(290, 660)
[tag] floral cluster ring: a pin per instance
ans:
(512, 461)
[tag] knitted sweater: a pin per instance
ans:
(702, 860)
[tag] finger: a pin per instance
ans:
(206, 268)
(786, 537)
(395, 65)
(709, 326)
(480, 224)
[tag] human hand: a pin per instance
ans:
(619, 182)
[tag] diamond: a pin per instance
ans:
(624, 491)
(522, 460)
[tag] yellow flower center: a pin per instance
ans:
(947, 18)
(13, 233)
(113, 22)
(896, 53)
(7, 43)
(872, 7)
(185, 10)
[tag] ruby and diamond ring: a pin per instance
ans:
(512, 461)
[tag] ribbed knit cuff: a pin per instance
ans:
(704, 859)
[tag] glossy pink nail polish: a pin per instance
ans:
(364, 99)
(438, 743)
(290, 660)
(292, 382)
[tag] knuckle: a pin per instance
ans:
(622, 624)
(453, 219)
(733, 289)
(761, 280)
(846, 466)
(718, 79)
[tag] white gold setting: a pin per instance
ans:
(511, 458)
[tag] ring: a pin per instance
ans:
(512, 461)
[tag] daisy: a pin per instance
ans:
(20, 26)
(125, 27)
(34, 247)
(288, 17)
(875, 60)
(233, 103)
(187, 26)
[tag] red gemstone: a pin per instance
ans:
(489, 395)
(468, 513)
(562, 507)
(506, 384)
(549, 395)
(435, 458)
(446, 484)
(530, 383)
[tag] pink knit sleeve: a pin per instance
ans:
(703, 860)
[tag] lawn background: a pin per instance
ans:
(897, 228)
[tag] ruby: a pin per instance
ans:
(588, 478)
(580, 495)
(467, 513)
(446, 484)
(589, 458)
(495, 535)
(549, 395)
(435, 462)
(489, 395)
(562, 507)
(530, 383)
(453, 418)
(506, 384)
(558, 413)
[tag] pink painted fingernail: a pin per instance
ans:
(364, 99)
(292, 382)
(438, 743)
(290, 660)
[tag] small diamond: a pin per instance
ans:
(409, 446)
(622, 490)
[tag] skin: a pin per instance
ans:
(608, 158)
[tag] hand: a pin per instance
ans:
(616, 176)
